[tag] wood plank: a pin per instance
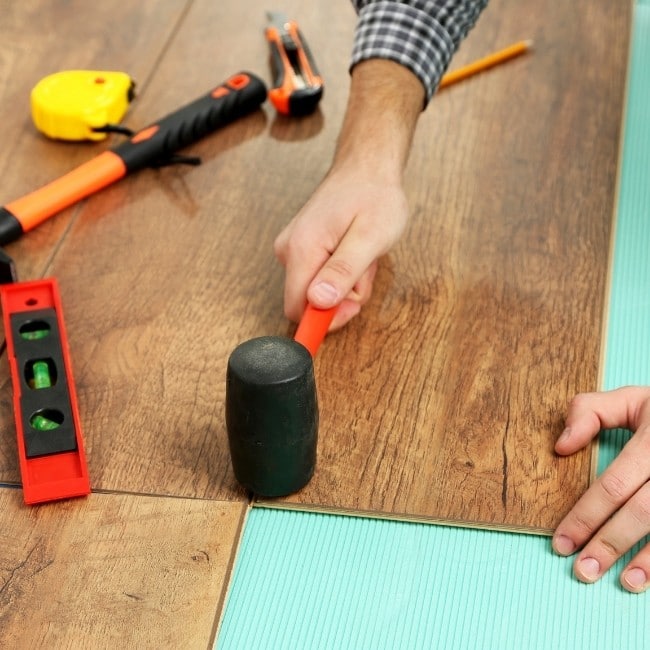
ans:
(114, 570)
(155, 292)
(443, 399)
(38, 39)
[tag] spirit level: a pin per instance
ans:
(50, 445)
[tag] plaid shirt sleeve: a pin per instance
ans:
(419, 34)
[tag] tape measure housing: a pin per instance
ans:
(71, 104)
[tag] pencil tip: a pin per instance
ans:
(529, 43)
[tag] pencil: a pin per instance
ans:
(486, 62)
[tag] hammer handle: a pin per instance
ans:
(154, 145)
(313, 327)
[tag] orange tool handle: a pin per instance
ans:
(154, 145)
(158, 143)
(297, 84)
(313, 327)
(26, 213)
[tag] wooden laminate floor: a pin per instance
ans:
(441, 401)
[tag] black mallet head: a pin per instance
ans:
(272, 408)
(272, 415)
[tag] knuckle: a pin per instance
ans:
(611, 548)
(378, 235)
(640, 510)
(584, 527)
(279, 243)
(578, 400)
(341, 267)
(613, 486)
(643, 438)
(279, 252)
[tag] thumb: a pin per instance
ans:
(345, 267)
(590, 412)
(330, 286)
(581, 426)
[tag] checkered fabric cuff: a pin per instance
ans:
(421, 35)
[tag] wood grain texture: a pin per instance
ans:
(40, 38)
(163, 274)
(114, 571)
(444, 397)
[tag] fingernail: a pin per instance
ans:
(563, 545)
(635, 578)
(589, 569)
(324, 294)
(565, 435)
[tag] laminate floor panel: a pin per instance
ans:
(41, 38)
(164, 273)
(114, 570)
(443, 399)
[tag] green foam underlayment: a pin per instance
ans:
(627, 351)
(312, 580)
(315, 581)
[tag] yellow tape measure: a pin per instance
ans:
(78, 104)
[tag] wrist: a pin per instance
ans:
(384, 104)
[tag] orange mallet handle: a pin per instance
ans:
(313, 327)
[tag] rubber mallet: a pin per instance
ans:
(272, 408)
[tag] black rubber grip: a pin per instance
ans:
(10, 228)
(277, 66)
(308, 54)
(304, 101)
(156, 144)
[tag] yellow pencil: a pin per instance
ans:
(486, 62)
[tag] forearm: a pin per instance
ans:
(384, 104)
(331, 247)
(421, 35)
